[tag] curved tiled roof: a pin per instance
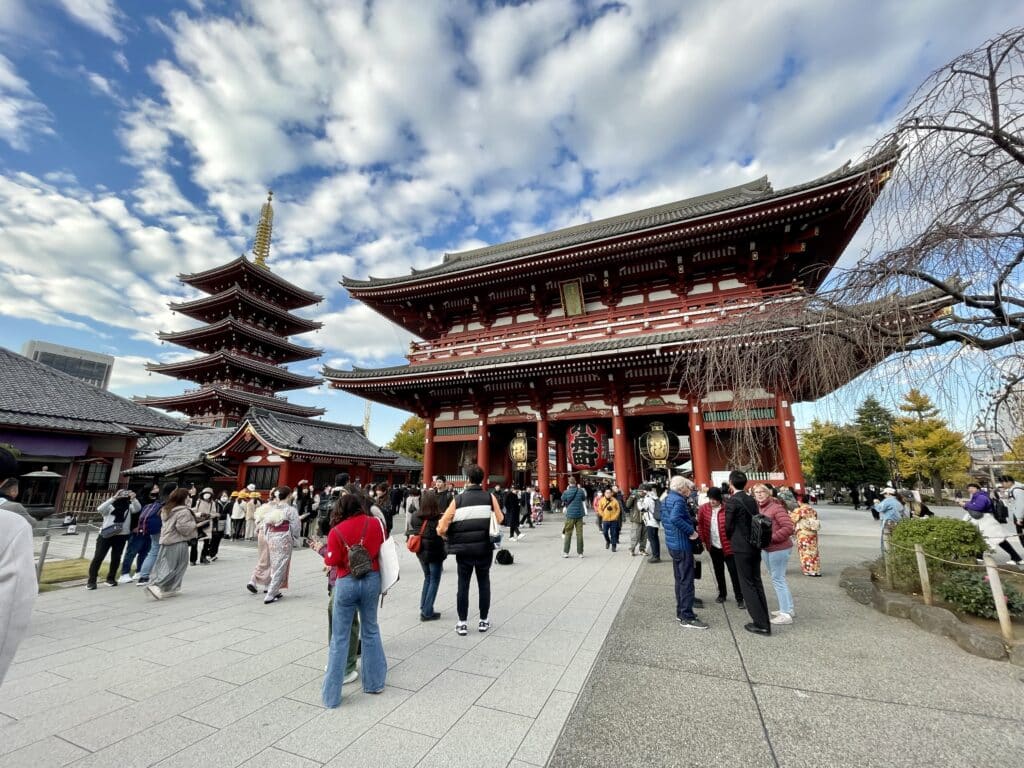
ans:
(182, 368)
(301, 435)
(263, 274)
(753, 192)
(36, 396)
(179, 453)
(250, 399)
(920, 301)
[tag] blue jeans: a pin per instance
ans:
(138, 547)
(776, 563)
(352, 596)
(611, 532)
(682, 569)
(150, 561)
(431, 581)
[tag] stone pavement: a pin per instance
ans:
(842, 686)
(215, 678)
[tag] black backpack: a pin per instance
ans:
(359, 561)
(760, 531)
(999, 510)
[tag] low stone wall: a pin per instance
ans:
(859, 585)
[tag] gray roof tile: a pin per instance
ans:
(36, 396)
(758, 190)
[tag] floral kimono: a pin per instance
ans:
(805, 519)
(278, 525)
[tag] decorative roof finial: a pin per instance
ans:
(261, 245)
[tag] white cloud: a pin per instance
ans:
(21, 114)
(101, 16)
(357, 332)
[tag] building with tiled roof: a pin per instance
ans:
(247, 317)
(85, 435)
(571, 343)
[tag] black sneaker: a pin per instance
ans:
(720, 599)
(90, 586)
(111, 583)
(692, 624)
(741, 605)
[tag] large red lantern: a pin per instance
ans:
(587, 446)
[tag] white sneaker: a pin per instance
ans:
(156, 592)
(565, 554)
(461, 629)
(781, 618)
(484, 625)
(351, 676)
(580, 555)
(125, 579)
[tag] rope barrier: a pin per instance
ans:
(952, 562)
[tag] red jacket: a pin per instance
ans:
(704, 527)
(782, 525)
(349, 532)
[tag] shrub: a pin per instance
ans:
(969, 591)
(955, 540)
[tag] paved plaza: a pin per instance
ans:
(215, 678)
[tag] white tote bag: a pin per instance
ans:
(388, 560)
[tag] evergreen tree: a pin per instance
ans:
(919, 405)
(410, 438)
(811, 440)
(847, 459)
(874, 421)
(926, 448)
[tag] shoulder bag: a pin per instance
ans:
(415, 541)
(388, 561)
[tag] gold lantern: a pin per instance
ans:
(658, 446)
(518, 450)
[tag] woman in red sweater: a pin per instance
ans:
(711, 529)
(352, 595)
(776, 555)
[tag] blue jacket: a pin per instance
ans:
(889, 510)
(675, 518)
(572, 499)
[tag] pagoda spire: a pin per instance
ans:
(261, 245)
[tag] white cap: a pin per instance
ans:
(250, 487)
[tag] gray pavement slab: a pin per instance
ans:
(843, 685)
(213, 677)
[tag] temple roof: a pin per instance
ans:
(614, 352)
(181, 453)
(199, 309)
(225, 359)
(756, 192)
(209, 280)
(237, 396)
(35, 396)
(291, 434)
(292, 352)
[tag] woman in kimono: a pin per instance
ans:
(278, 529)
(251, 505)
(805, 520)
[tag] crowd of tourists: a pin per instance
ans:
(744, 527)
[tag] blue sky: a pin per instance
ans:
(138, 139)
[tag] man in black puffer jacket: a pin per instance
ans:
(466, 525)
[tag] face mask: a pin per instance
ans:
(207, 496)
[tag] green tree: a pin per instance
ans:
(811, 440)
(918, 405)
(874, 421)
(846, 459)
(926, 448)
(410, 438)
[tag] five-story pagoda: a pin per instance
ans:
(247, 317)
